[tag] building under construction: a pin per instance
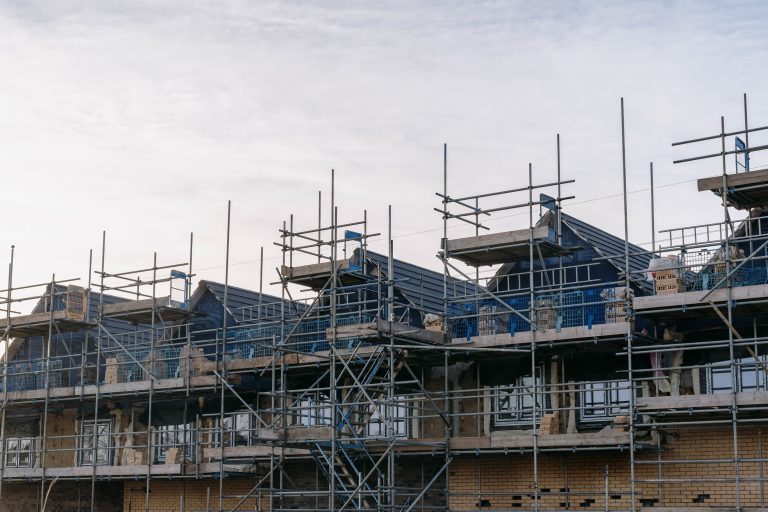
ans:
(551, 367)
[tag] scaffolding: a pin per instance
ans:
(370, 384)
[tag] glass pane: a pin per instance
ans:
(102, 456)
(102, 440)
(324, 413)
(169, 436)
(86, 441)
(504, 400)
(721, 380)
(514, 404)
(242, 425)
(375, 424)
(401, 423)
(305, 413)
(618, 397)
(749, 375)
(600, 401)
(190, 442)
(11, 452)
(102, 443)
(226, 429)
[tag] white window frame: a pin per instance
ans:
(397, 412)
(14, 452)
(313, 411)
(173, 436)
(513, 404)
(239, 426)
(607, 399)
(746, 367)
(86, 449)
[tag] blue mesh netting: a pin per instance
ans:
(708, 279)
(552, 311)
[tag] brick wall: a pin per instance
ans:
(27, 427)
(577, 480)
(191, 495)
(64, 496)
(412, 474)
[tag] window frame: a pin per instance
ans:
(234, 428)
(399, 412)
(17, 452)
(177, 435)
(85, 452)
(519, 399)
(745, 366)
(610, 400)
(314, 410)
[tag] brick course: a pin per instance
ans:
(577, 480)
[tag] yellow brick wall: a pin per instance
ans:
(63, 496)
(168, 495)
(578, 479)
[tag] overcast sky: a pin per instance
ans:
(144, 118)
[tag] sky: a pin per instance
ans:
(143, 119)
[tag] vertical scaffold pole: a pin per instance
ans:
(6, 339)
(628, 305)
(731, 349)
(333, 390)
(390, 411)
(534, 387)
(223, 358)
(52, 306)
(99, 338)
(746, 134)
(446, 401)
(151, 369)
(653, 218)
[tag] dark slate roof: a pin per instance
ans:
(112, 325)
(423, 287)
(604, 244)
(239, 298)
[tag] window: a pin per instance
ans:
(751, 374)
(719, 379)
(174, 436)
(313, 411)
(513, 405)
(95, 442)
(749, 377)
(237, 429)
(396, 412)
(601, 401)
(19, 452)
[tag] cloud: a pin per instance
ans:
(143, 118)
